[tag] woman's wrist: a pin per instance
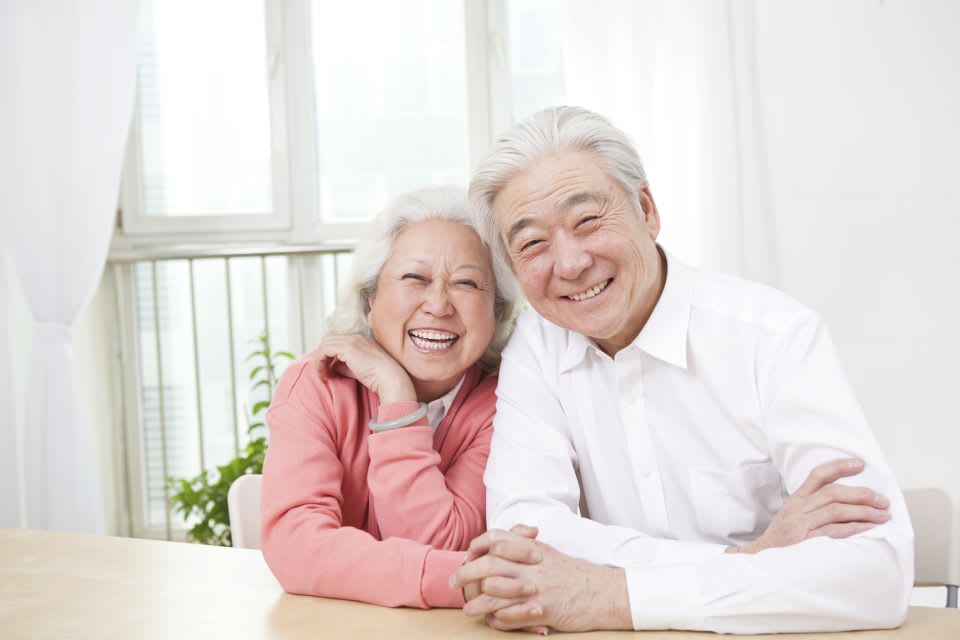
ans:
(397, 393)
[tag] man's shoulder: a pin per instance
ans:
(720, 295)
(536, 342)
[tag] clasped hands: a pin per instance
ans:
(518, 582)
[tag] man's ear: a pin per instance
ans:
(651, 217)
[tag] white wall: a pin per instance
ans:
(860, 101)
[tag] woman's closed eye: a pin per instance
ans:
(466, 282)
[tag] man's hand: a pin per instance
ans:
(822, 508)
(521, 583)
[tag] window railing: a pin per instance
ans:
(186, 319)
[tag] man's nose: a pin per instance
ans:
(570, 258)
(436, 300)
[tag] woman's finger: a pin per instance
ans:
(481, 568)
(521, 550)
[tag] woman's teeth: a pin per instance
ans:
(433, 340)
(589, 293)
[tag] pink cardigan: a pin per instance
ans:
(382, 518)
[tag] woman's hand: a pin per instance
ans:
(360, 357)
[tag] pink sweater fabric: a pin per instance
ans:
(381, 518)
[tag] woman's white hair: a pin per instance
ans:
(372, 252)
(542, 135)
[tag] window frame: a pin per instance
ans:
(297, 217)
(296, 220)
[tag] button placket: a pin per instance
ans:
(646, 472)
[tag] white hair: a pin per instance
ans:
(542, 135)
(372, 252)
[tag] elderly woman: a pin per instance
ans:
(373, 481)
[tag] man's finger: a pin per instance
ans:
(837, 513)
(526, 614)
(480, 546)
(521, 550)
(842, 530)
(484, 604)
(501, 587)
(847, 495)
(481, 568)
(829, 472)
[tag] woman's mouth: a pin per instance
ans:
(432, 340)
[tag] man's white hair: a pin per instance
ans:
(372, 252)
(543, 135)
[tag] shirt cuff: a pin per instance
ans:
(678, 552)
(435, 583)
(664, 597)
(396, 410)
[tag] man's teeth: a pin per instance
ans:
(589, 293)
(435, 340)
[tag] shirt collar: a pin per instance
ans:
(664, 336)
(439, 407)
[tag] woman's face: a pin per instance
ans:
(433, 311)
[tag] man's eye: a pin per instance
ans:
(413, 276)
(587, 220)
(529, 245)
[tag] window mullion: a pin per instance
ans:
(301, 135)
(488, 74)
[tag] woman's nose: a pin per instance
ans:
(436, 301)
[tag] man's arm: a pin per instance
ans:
(819, 584)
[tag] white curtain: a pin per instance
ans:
(67, 75)
(678, 76)
(9, 465)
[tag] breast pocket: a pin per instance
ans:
(736, 506)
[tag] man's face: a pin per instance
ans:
(584, 253)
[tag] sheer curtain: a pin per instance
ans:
(67, 73)
(678, 76)
(9, 466)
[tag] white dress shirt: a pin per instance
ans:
(687, 441)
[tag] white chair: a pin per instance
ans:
(243, 508)
(937, 542)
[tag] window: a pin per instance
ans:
(286, 123)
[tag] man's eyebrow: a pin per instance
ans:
(579, 197)
(517, 227)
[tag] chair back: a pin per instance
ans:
(243, 507)
(937, 540)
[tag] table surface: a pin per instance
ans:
(68, 585)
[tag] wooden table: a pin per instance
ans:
(66, 585)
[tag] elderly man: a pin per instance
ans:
(673, 448)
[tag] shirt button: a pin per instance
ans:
(645, 474)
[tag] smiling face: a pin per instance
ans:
(433, 310)
(583, 251)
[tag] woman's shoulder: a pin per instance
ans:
(479, 393)
(301, 386)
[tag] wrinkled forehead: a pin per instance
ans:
(557, 182)
(447, 245)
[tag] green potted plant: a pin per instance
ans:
(202, 499)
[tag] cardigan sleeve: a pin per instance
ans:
(414, 498)
(304, 543)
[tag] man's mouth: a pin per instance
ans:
(591, 292)
(432, 339)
